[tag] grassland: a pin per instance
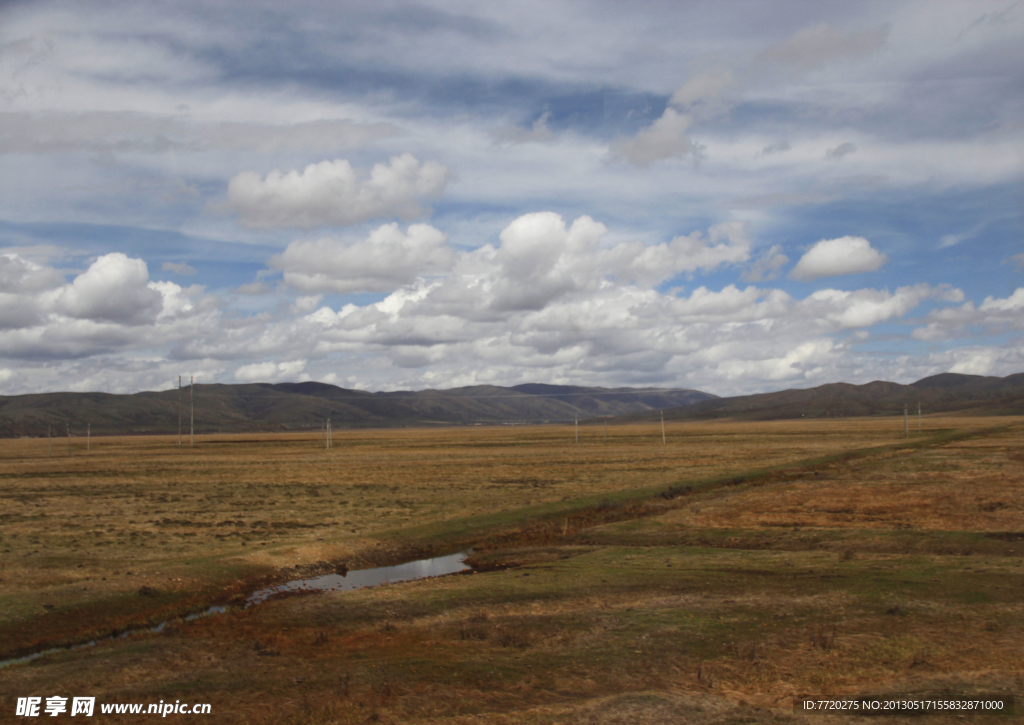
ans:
(710, 579)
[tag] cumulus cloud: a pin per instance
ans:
(726, 243)
(994, 314)
(19, 275)
(550, 300)
(387, 259)
(538, 260)
(833, 257)
(332, 193)
(866, 307)
(666, 138)
(109, 307)
(813, 48)
(175, 300)
(115, 288)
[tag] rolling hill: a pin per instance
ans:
(944, 393)
(297, 406)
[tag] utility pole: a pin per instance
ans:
(191, 412)
(88, 437)
(906, 423)
(663, 428)
(179, 411)
(49, 441)
(67, 426)
(577, 430)
(919, 417)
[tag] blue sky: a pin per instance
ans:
(730, 196)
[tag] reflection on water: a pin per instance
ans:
(369, 577)
(330, 582)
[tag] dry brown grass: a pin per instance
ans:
(145, 505)
(972, 485)
(625, 623)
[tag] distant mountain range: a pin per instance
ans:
(944, 393)
(304, 406)
(301, 406)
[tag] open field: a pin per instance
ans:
(711, 579)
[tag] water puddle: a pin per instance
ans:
(356, 579)
(361, 578)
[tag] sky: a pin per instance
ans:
(736, 196)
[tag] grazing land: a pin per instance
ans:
(710, 579)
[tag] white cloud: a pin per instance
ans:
(271, 372)
(176, 301)
(539, 260)
(975, 362)
(993, 315)
(666, 138)
(833, 257)
(115, 288)
(794, 363)
(1012, 304)
(332, 193)
(866, 307)
(383, 261)
(18, 274)
(725, 243)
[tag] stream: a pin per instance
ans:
(355, 579)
